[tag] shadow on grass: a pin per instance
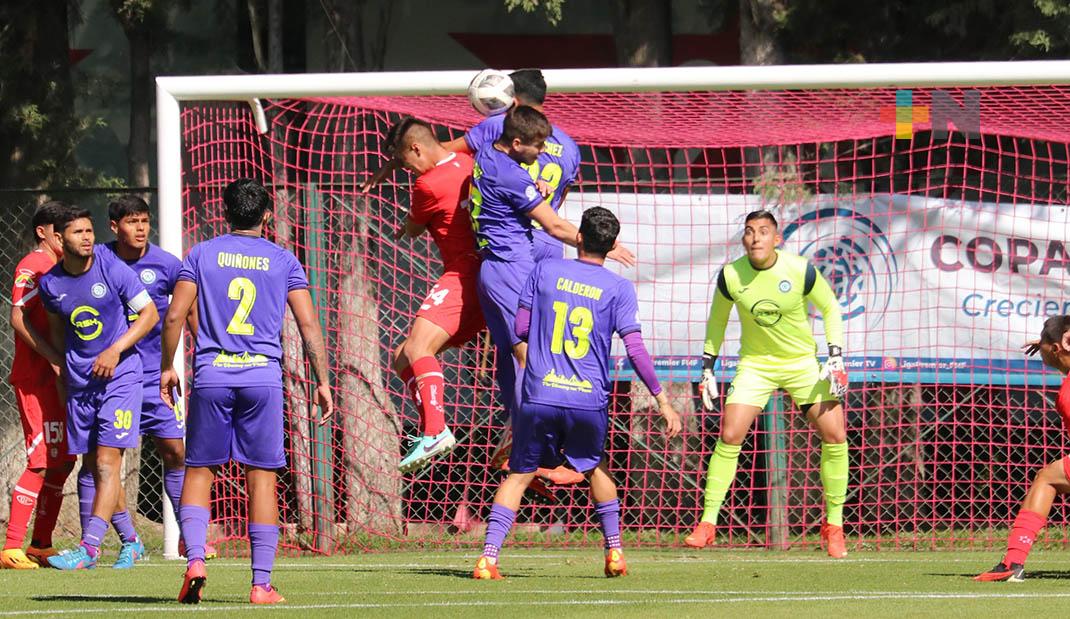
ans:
(121, 599)
(1029, 575)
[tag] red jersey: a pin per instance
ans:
(1062, 403)
(28, 365)
(436, 199)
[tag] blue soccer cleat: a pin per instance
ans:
(425, 448)
(130, 553)
(76, 559)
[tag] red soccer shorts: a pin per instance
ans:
(44, 422)
(453, 304)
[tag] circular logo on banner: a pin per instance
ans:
(785, 286)
(98, 290)
(854, 256)
(148, 276)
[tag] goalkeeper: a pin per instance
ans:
(770, 290)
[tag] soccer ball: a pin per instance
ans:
(491, 92)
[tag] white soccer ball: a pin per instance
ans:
(491, 92)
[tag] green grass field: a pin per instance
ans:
(557, 583)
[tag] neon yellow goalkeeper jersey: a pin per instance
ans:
(771, 304)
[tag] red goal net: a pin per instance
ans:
(939, 217)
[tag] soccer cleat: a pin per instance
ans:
(76, 559)
(832, 538)
(486, 570)
(40, 555)
(615, 565)
(537, 492)
(560, 476)
(702, 536)
(425, 448)
(500, 458)
(193, 583)
(1015, 572)
(16, 559)
(265, 594)
(130, 553)
(209, 550)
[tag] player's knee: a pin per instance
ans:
(1050, 475)
(732, 436)
(173, 457)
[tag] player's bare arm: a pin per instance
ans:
(308, 325)
(669, 415)
(562, 230)
(104, 365)
(183, 305)
(40, 344)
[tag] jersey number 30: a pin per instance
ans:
(581, 320)
(242, 290)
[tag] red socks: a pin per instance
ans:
(23, 500)
(48, 509)
(1023, 534)
(429, 387)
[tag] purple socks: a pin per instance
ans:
(172, 485)
(193, 520)
(263, 542)
(87, 491)
(609, 517)
(124, 526)
(93, 534)
(498, 524)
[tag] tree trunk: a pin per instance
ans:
(760, 25)
(141, 101)
(274, 55)
(642, 33)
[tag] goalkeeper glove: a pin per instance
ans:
(707, 387)
(835, 372)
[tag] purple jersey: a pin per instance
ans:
(501, 196)
(575, 308)
(158, 272)
(242, 285)
(93, 308)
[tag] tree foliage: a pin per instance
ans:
(551, 8)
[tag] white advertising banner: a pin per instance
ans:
(931, 290)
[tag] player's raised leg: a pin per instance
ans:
(415, 363)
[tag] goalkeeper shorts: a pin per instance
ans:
(757, 378)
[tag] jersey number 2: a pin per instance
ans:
(242, 290)
(581, 320)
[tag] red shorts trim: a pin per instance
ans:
(453, 304)
(44, 424)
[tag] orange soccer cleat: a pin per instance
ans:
(1015, 572)
(832, 538)
(193, 583)
(560, 476)
(486, 570)
(615, 565)
(15, 559)
(702, 536)
(265, 594)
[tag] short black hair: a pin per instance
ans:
(395, 136)
(126, 204)
(246, 201)
(529, 86)
(599, 228)
(1054, 329)
(761, 214)
(69, 214)
(47, 213)
(527, 124)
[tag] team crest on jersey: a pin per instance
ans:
(98, 290)
(25, 279)
(785, 286)
(148, 276)
(531, 192)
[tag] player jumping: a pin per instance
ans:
(241, 284)
(1054, 478)
(568, 311)
(34, 375)
(770, 290)
(87, 297)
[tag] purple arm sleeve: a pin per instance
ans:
(523, 323)
(640, 358)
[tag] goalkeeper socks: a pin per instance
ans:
(1023, 534)
(263, 543)
(87, 491)
(23, 499)
(172, 486)
(429, 384)
(719, 476)
(834, 469)
(93, 535)
(609, 517)
(124, 526)
(48, 505)
(498, 524)
(193, 520)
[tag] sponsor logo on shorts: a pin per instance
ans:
(731, 388)
(98, 290)
(148, 276)
(121, 435)
(785, 286)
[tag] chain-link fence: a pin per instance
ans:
(142, 471)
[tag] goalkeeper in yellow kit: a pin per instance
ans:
(770, 290)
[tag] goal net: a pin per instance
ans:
(939, 216)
